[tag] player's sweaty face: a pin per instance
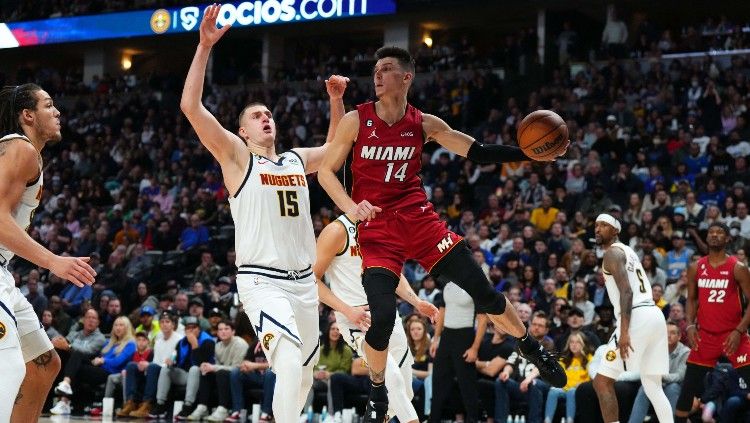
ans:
(387, 76)
(259, 124)
(716, 237)
(603, 232)
(46, 117)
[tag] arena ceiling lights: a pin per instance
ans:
(185, 19)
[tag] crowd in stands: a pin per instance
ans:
(665, 151)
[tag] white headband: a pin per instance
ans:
(604, 217)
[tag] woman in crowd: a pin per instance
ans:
(571, 260)
(576, 358)
(634, 211)
(335, 357)
(655, 274)
(418, 336)
(112, 359)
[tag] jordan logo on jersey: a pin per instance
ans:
(373, 135)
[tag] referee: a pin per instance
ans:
(455, 347)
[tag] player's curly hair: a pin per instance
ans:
(403, 56)
(13, 100)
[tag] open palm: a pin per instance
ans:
(210, 34)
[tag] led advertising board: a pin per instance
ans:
(184, 19)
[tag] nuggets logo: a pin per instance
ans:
(267, 338)
(160, 21)
(2, 330)
(611, 356)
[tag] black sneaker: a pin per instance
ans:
(377, 406)
(550, 369)
(185, 412)
(159, 412)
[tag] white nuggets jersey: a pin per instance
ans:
(344, 274)
(639, 283)
(271, 212)
(24, 211)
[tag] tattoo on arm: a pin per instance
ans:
(43, 360)
(377, 377)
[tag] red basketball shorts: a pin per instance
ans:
(414, 233)
(711, 347)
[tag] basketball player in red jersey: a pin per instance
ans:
(396, 222)
(714, 284)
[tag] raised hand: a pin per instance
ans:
(210, 34)
(336, 85)
(73, 269)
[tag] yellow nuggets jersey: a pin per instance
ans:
(271, 212)
(344, 274)
(24, 210)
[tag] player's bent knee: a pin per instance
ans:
(380, 287)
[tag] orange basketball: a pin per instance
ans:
(542, 135)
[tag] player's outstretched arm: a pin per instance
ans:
(425, 308)
(225, 146)
(614, 261)
(19, 164)
(335, 86)
(466, 146)
(332, 241)
(338, 150)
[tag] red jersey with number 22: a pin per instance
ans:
(719, 300)
(386, 160)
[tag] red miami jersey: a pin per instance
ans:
(386, 160)
(719, 299)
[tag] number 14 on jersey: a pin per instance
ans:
(400, 172)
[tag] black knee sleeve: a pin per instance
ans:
(380, 287)
(692, 386)
(459, 267)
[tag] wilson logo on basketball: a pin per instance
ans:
(548, 145)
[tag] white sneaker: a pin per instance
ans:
(337, 417)
(62, 408)
(219, 415)
(63, 388)
(199, 413)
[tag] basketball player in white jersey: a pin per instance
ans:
(274, 237)
(28, 362)
(639, 343)
(338, 257)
